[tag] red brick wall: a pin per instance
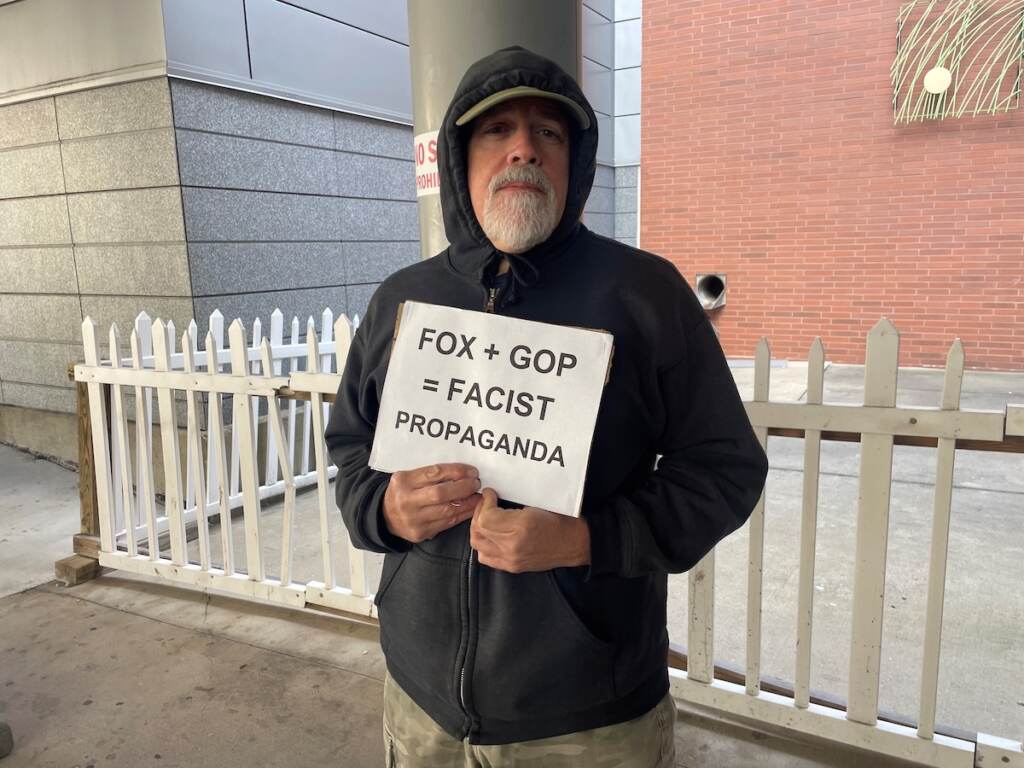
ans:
(769, 153)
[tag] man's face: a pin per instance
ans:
(519, 172)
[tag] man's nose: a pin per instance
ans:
(523, 149)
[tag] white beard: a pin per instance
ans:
(520, 219)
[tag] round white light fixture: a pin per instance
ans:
(937, 80)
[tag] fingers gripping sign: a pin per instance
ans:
(527, 539)
(421, 503)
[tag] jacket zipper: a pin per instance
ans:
(469, 623)
(492, 301)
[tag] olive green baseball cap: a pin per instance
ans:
(519, 92)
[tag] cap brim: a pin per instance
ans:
(523, 91)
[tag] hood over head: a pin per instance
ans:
(471, 253)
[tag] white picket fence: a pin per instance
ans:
(256, 372)
(228, 470)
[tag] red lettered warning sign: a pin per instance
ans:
(428, 181)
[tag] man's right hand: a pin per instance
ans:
(421, 503)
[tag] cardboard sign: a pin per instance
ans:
(428, 180)
(515, 398)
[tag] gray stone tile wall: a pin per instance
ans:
(625, 199)
(599, 212)
(627, 176)
(34, 220)
(38, 270)
(120, 161)
(90, 224)
(625, 225)
(133, 270)
(31, 171)
(288, 206)
(627, 204)
(39, 396)
(235, 113)
(43, 362)
(134, 106)
(373, 137)
(127, 216)
(31, 122)
(40, 317)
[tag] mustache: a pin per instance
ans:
(521, 174)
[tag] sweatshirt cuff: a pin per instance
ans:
(376, 529)
(606, 544)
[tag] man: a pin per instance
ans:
(519, 636)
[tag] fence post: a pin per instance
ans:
(83, 564)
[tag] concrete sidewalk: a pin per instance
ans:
(39, 512)
(121, 672)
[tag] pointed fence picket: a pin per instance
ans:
(254, 367)
(808, 530)
(219, 472)
(307, 415)
(293, 405)
(214, 340)
(275, 340)
(142, 335)
(880, 373)
(174, 506)
(195, 450)
(143, 437)
(308, 372)
(247, 428)
(276, 430)
(940, 545)
(119, 421)
(189, 342)
(320, 449)
(755, 559)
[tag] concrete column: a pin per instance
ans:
(446, 36)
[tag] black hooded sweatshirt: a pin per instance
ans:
(499, 657)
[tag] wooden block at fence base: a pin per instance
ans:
(86, 545)
(76, 569)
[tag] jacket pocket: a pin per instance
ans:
(535, 656)
(419, 620)
(392, 564)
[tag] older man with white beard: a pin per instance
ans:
(518, 167)
(516, 636)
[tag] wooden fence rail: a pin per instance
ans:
(291, 385)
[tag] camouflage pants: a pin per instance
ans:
(413, 740)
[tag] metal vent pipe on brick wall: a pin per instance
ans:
(445, 37)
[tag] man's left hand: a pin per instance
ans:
(527, 539)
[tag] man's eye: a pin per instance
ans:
(548, 133)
